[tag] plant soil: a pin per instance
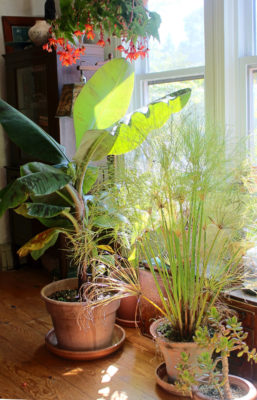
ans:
(166, 330)
(213, 393)
(69, 295)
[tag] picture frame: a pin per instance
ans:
(15, 30)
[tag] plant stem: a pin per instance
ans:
(72, 219)
(78, 202)
(64, 198)
(225, 370)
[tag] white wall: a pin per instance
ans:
(11, 8)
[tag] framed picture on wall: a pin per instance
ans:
(15, 30)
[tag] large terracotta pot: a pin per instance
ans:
(236, 380)
(149, 313)
(76, 326)
(172, 350)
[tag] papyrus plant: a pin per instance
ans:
(198, 217)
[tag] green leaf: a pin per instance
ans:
(56, 221)
(41, 210)
(41, 241)
(95, 145)
(32, 167)
(39, 183)
(90, 178)
(31, 139)
(104, 221)
(11, 196)
(105, 98)
(130, 134)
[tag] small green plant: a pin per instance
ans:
(222, 337)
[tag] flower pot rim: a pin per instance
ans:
(153, 328)
(250, 395)
(65, 303)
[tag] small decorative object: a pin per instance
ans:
(128, 20)
(49, 10)
(39, 33)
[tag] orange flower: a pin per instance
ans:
(88, 27)
(78, 33)
(121, 48)
(101, 42)
(90, 35)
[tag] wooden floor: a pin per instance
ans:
(29, 371)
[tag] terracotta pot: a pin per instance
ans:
(76, 326)
(127, 308)
(149, 313)
(126, 314)
(236, 380)
(172, 350)
(39, 33)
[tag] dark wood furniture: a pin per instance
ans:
(246, 307)
(34, 81)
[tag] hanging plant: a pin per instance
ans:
(128, 20)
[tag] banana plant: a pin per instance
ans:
(56, 190)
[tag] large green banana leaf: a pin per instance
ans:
(105, 98)
(31, 139)
(132, 132)
(39, 183)
(90, 178)
(94, 146)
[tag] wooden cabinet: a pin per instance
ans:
(34, 81)
(246, 307)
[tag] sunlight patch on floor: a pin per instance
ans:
(104, 391)
(109, 373)
(74, 371)
(119, 396)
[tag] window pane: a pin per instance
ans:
(196, 102)
(181, 35)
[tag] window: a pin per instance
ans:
(210, 46)
(178, 60)
(181, 35)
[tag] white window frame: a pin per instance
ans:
(229, 50)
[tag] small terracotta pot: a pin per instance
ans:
(76, 326)
(127, 308)
(172, 350)
(149, 313)
(236, 380)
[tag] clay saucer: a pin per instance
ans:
(118, 339)
(128, 323)
(163, 381)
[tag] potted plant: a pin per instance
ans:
(56, 190)
(127, 20)
(205, 380)
(198, 210)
